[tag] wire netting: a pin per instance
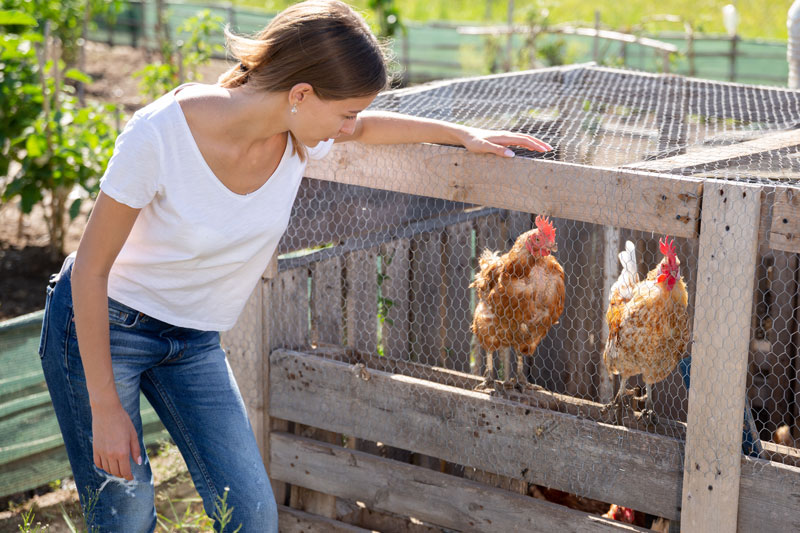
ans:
(390, 274)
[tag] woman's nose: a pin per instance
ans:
(348, 127)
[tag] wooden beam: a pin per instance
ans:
(425, 494)
(723, 307)
(768, 497)
(561, 403)
(616, 197)
(785, 230)
(712, 157)
(630, 468)
(294, 521)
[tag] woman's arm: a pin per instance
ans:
(115, 438)
(380, 127)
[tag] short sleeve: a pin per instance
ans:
(132, 175)
(320, 150)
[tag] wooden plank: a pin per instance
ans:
(713, 157)
(785, 230)
(768, 497)
(376, 239)
(245, 353)
(491, 234)
(334, 206)
(426, 297)
(724, 301)
(395, 264)
(269, 340)
(543, 399)
(617, 197)
(327, 318)
(362, 300)
(456, 312)
(288, 305)
(294, 521)
(430, 496)
(327, 327)
(492, 434)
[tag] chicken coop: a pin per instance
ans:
(365, 384)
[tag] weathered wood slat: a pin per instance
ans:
(430, 496)
(492, 235)
(723, 156)
(362, 300)
(474, 430)
(785, 230)
(543, 399)
(724, 301)
(456, 312)
(426, 302)
(245, 353)
(294, 521)
(664, 204)
(373, 240)
(326, 301)
(395, 288)
(768, 497)
(288, 308)
(334, 206)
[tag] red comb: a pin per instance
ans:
(667, 247)
(546, 228)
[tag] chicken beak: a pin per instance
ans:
(553, 248)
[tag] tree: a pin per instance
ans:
(49, 142)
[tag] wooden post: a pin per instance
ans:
(726, 272)
(611, 271)
(734, 40)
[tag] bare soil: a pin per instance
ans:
(25, 263)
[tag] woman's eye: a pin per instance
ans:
(350, 117)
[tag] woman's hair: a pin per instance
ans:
(320, 42)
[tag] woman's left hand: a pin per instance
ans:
(497, 142)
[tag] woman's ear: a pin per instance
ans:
(300, 93)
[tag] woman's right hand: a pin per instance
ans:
(115, 440)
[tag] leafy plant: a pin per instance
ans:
(181, 60)
(388, 17)
(49, 143)
(27, 525)
(222, 513)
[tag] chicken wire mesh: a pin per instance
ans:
(392, 275)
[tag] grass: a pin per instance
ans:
(759, 20)
(178, 506)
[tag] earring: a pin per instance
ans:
(294, 109)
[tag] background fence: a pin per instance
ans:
(444, 50)
(32, 450)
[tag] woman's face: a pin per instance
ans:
(317, 120)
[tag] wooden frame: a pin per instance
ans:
(375, 395)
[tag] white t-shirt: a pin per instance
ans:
(197, 249)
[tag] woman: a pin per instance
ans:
(191, 208)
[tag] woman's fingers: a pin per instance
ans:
(525, 141)
(136, 452)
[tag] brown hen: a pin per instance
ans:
(648, 324)
(520, 296)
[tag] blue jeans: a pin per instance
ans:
(184, 375)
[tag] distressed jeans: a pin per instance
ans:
(186, 378)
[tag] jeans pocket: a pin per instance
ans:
(45, 321)
(121, 315)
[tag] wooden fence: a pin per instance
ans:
(338, 422)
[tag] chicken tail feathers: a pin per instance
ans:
(629, 275)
